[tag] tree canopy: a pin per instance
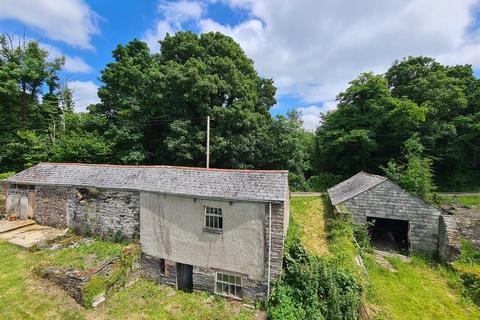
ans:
(417, 96)
(153, 109)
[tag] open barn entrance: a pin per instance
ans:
(389, 234)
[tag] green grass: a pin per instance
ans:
(24, 296)
(418, 290)
(146, 300)
(467, 200)
(321, 232)
(85, 255)
(308, 224)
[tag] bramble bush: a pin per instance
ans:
(312, 287)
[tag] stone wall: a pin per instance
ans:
(463, 223)
(278, 237)
(387, 200)
(51, 206)
(104, 212)
(203, 278)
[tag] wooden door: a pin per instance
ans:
(184, 277)
(31, 205)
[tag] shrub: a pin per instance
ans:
(312, 287)
(469, 254)
(362, 236)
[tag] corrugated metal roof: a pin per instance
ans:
(353, 186)
(255, 185)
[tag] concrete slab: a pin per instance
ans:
(31, 235)
(6, 225)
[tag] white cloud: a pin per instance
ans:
(70, 21)
(73, 64)
(311, 115)
(173, 15)
(314, 48)
(84, 94)
(181, 11)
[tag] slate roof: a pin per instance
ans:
(353, 186)
(255, 185)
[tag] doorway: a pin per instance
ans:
(184, 277)
(389, 234)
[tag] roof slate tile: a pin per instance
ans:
(255, 185)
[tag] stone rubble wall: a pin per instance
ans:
(463, 224)
(387, 200)
(104, 212)
(278, 238)
(51, 206)
(74, 281)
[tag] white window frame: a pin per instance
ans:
(217, 217)
(226, 282)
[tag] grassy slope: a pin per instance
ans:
(308, 223)
(417, 291)
(22, 296)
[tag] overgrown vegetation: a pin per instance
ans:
(317, 283)
(468, 268)
(85, 255)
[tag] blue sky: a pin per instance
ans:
(311, 48)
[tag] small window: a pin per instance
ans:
(213, 219)
(228, 285)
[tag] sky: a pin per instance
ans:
(311, 49)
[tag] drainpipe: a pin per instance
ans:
(269, 246)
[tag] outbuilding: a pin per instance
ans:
(216, 230)
(398, 220)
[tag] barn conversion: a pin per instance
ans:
(400, 220)
(216, 230)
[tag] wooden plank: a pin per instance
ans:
(6, 226)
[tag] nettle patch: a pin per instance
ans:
(89, 269)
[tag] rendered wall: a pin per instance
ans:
(173, 228)
(387, 200)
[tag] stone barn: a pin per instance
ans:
(216, 230)
(399, 220)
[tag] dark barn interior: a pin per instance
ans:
(389, 234)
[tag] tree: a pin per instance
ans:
(156, 104)
(27, 124)
(417, 96)
(416, 174)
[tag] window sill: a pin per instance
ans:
(211, 230)
(228, 296)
